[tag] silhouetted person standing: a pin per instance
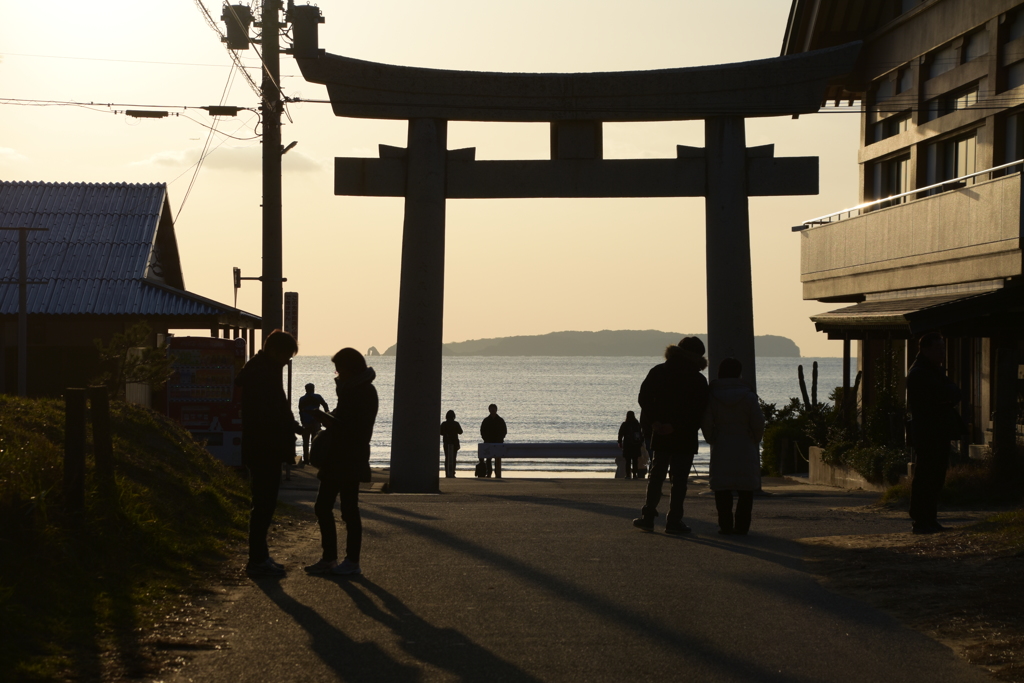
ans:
(631, 437)
(450, 430)
(268, 439)
(733, 426)
(492, 430)
(309, 405)
(932, 398)
(340, 476)
(672, 401)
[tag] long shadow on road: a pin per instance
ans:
(692, 644)
(443, 648)
(353, 661)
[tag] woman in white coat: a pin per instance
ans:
(733, 425)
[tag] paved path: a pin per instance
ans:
(546, 580)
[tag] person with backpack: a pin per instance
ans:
(631, 437)
(672, 401)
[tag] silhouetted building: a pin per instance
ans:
(937, 244)
(107, 258)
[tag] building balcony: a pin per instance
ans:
(957, 239)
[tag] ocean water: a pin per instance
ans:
(545, 399)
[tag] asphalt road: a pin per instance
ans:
(547, 580)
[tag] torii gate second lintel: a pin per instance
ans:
(426, 173)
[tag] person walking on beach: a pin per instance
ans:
(733, 426)
(450, 430)
(931, 397)
(349, 464)
(268, 439)
(672, 402)
(631, 437)
(492, 430)
(309, 406)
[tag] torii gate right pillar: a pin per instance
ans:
(727, 221)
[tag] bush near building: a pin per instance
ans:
(77, 591)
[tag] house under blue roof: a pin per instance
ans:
(107, 258)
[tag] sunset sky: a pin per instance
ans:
(513, 267)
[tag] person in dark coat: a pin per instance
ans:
(492, 430)
(450, 430)
(339, 477)
(631, 438)
(932, 398)
(672, 401)
(309, 406)
(733, 426)
(268, 440)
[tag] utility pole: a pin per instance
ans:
(271, 107)
(304, 21)
(22, 283)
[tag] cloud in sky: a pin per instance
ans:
(244, 159)
(11, 156)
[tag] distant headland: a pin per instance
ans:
(603, 343)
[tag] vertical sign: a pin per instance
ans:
(291, 325)
(291, 313)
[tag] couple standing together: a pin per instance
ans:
(676, 401)
(268, 439)
(492, 430)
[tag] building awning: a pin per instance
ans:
(973, 314)
(135, 298)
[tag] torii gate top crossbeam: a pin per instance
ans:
(767, 87)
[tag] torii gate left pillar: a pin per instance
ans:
(725, 172)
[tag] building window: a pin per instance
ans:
(886, 89)
(951, 102)
(1014, 149)
(906, 79)
(942, 61)
(891, 177)
(894, 125)
(975, 45)
(952, 158)
(1015, 75)
(1015, 26)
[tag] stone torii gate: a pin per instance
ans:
(726, 172)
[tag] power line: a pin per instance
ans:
(206, 146)
(125, 61)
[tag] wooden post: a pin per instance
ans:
(74, 449)
(1004, 432)
(102, 443)
(848, 401)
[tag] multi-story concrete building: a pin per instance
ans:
(936, 242)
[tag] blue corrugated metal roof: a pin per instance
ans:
(94, 252)
(71, 296)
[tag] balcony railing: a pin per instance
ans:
(951, 184)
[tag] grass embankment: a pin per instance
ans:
(77, 592)
(968, 484)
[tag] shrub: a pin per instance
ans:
(70, 581)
